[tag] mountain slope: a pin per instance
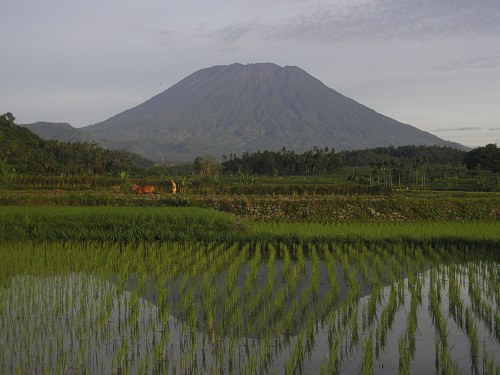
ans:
(58, 131)
(238, 108)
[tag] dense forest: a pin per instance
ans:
(487, 158)
(23, 152)
(323, 161)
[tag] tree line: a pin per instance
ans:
(325, 160)
(23, 152)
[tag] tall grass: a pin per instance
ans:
(115, 224)
(197, 224)
(437, 231)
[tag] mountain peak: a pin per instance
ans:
(236, 108)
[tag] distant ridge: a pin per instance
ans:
(244, 108)
(58, 131)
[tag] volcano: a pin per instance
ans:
(238, 108)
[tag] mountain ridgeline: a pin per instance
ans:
(63, 132)
(244, 108)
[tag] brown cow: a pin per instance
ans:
(145, 189)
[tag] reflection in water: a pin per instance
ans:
(257, 314)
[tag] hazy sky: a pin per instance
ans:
(434, 64)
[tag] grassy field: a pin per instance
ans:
(115, 223)
(198, 224)
(402, 206)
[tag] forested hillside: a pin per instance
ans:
(23, 152)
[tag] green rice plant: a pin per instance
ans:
(115, 224)
(446, 364)
(441, 232)
(404, 356)
(471, 330)
(331, 365)
(315, 273)
(367, 366)
(387, 316)
(332, 276)
(482, 308)
(435, 310)
(271, 270)
(155, 308)
(301, 262)
(294, 363)
(252, 272)
(456, 306)
(354, 328)
(489, 365)
(286, 263)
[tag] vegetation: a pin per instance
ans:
(487, 157)
(415, 167)
(196, 224)
(25, 155)
(329, 208)
(23, 152)
(244, 271)
(116, 224)
(324, 161)
(246, 307)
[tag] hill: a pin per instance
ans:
(22, 151)
(59, 132)
(244, 108)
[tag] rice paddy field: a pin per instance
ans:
(151, 290)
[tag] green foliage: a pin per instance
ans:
(487, 157)
(206, 166)
(381, 157)
(247, 307)
(26, 153)
(428, 231)
(322, 161)
(115, 224)
(196, 224)
(284, 162)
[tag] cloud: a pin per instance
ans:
(477, 63)
(234, 32)
(393, 19)
(368, 20)
(466, 129)
(461, 129)
(165, 35)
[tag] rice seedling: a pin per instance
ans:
(265, 307)
(435, 310)
(315, 274)
(489, 365)
(471, 330)
(367, 366)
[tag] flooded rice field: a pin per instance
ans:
(183, 308)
